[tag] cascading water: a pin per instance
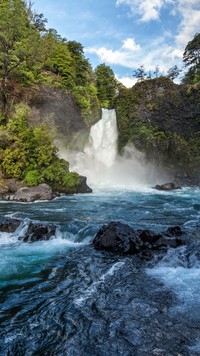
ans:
(100, 153)
(101, 163)
(102, 145)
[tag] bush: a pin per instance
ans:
(30, 155)
(33, 178)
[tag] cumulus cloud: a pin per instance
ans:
(130, 44)
(190, 20)
(147, 9)
(188, 10)
(132, 55)
(123, 56)
(127, 81)
(164, 51)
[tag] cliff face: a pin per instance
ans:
(162, 119)
(61, 113)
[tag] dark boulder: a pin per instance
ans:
(117, 237)
(39, 232)
(83, 187)
(34, 232)
(122, 239)
(8, 224)
(166, 186)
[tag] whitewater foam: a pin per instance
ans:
(101, 163)
(94, 286)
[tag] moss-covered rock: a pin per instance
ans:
(162, 119)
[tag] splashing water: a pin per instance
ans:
(102, 164)
(102, 145)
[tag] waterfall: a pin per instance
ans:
(101, 163)
(102, 145)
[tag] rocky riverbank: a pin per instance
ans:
(13, 190)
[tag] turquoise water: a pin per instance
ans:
(39, 282)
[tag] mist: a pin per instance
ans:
(103, 166)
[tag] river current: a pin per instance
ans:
(61, 297)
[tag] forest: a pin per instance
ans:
(33, 56)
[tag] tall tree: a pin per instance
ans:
(81, 64)
(191, 57)
(140, 73)
(173, 72)
(19, 39)
(106, 85)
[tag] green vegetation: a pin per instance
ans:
(191, 58)
(31, 55)
(28, 154)
(106, 85)
(150, 116)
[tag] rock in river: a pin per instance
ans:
(166, 186)
(122, 239)
(41, 192)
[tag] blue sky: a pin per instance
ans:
(125, 34)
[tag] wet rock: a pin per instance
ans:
(117, 237)
(83, 187)
(122, 239)
(41, 192)
(166, 186)
(39, 232)
(8, 224)
(174, 231)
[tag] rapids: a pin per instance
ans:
(61, 297)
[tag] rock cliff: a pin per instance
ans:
(162, 119)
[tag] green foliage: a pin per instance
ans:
(191, 57)
(80, 94)
(33, 178)
(146, 118)
(27, 153)
(31, 55)
(20, 48)
(106, 85)
(173, 72)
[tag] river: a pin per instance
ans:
(62, 297)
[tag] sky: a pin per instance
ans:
(126, 34)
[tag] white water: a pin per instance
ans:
(101, 163)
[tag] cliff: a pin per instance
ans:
(162, 119)
(59, 110)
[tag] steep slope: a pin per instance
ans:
(61, 113)
(162, 119)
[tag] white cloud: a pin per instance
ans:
(190, 21)
(124, 56)
(127, 81)
(132, 55)
(130, 44)
(188, 10)
(147, 9)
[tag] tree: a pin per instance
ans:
(106, 85)
(81, 64)
(19, 44)
(191, 57)
(173, 72)
(157, 71)
(140, 73)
